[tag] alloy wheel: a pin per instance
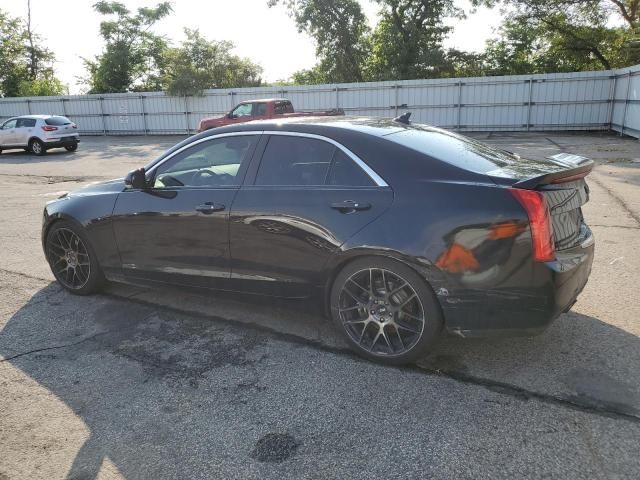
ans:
(69, 259)
(381, 312)
(36, 148)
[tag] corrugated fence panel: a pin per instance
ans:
(564, 101)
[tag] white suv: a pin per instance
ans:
(38, 133)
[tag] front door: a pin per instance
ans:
(176, 230)
(8, 133)
(306, 199)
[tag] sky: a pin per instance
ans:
(266, 35)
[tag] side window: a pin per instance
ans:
(26, 123)
(259, 109)
(243, 110)
(283, 107)
(294, 161)
(9, 124)
(345, 172)
(214, 163)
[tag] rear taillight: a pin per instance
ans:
(49, 128)
(540, 222)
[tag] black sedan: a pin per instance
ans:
(400, 230)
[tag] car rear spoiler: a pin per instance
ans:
(577, 167)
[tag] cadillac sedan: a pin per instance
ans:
(400, 230)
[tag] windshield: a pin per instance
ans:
(469, 154)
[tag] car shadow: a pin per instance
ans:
(135, 371)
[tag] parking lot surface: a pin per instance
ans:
(160, 383)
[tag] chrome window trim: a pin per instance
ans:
(378, 180)
(367, 169)
(152, 170)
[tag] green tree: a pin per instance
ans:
(199, 64)
(132, 59)
(564, 35)
(407, 42)
(25, 65)
(340, 31)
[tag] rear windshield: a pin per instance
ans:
(57, 121)
(283, 107)
(464, 152)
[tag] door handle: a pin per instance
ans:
(210, 207)
(350, 206)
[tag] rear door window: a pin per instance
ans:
(345, 172)
(259, 109)
(57, 121)
(295, 161)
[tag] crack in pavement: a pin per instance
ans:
(56, 347)
(618, 199)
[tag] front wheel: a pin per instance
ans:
(71, 148)
(37, 147)
(385, 310)
(72, 260)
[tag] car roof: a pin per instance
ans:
(369, 125)
(256, 100)
(38, 116)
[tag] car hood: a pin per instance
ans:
(110, 186)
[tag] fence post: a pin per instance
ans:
(144, 114)
(529, 104)
(459, 120)
(612, 101)
(102, 116)
(397, 100)
(186, 113)
(337, 97)
(626, 103)
(29, 106)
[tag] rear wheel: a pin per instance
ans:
(386, 311)
(72, 260)
(71, 148)
(37, 147)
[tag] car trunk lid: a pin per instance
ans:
(561, 180)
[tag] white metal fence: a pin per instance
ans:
(562, 101)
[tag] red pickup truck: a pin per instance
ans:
(261, 110)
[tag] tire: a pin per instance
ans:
(385, 327)
(71, 148)
(37, 147)
(78, 272)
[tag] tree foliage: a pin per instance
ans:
(407, 42)
(132, 59)
(541, 36)
(25, 65)
(340, 31)
(199, 64)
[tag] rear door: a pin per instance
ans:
(24, 130)
(304, 198)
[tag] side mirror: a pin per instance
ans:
(136, 179)
(230, 115)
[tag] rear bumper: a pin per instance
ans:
(519, 311)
